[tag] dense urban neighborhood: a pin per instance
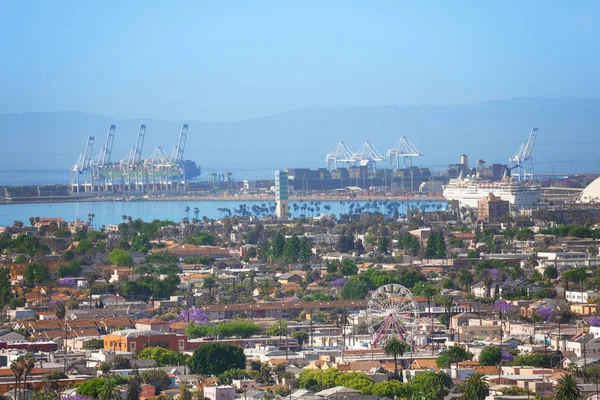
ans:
(430, 305)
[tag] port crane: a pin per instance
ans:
(522, 160)
(403, 149)
(102, 161)
(134, 156)
(129, 165)
(340, 154)
(81, 170)
(367, 155)
(106, 150)
(177, 155)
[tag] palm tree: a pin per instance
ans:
(90, 278)
(187, 212)
(28, 364)
(476, 387)
(341, 318)
(442, 383)
(106, 275)
(533, 260)
(396, 347)
(487, 282)
(465, 279)
(18, 369)
(251, 280)
(567, 388)
(210, 283)
(429, 291)
(108, 391)
(265, 287)
(91, 217)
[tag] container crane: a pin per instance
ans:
(135, 154)
(340, 154)
(177, 155)
(106, 150)
(522, 160)
(368, 155)
(101, 166)
(81, 169)
(403, 149)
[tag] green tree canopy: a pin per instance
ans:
(436, 245)
(432, 385)
(354, 289)
(490, 355)
(85, 246)
(409, 243)
(216, 358)
(355, 380)
(120, 258)
(227, 377)
(291, 250)
(301, 336)
(163, 357)
(317, 380)
(279, 328)
(36, 273)
(392, 389)
(454, 354)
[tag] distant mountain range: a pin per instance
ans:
(568, 140)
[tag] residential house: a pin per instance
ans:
(46, 315)
(245, 384)
(123, 275)
(290, 278)
(149, 324)
(219, 392)
(178, 327)
(511, 342)
(581, 342)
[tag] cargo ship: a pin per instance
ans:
(469, 191)
(190, 169)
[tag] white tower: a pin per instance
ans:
(281, 194)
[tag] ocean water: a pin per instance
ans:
(111, 212)
(34, 177)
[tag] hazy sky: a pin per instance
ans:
(231, 60)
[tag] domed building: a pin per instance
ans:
(591, 194)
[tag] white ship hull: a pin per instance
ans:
(468, 193)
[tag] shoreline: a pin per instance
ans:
(183, 198)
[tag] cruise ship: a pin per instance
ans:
(469, 191)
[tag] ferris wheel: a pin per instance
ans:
(391, 312)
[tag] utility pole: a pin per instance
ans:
(432, 342)
(312, 338)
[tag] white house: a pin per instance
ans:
(581, 297)
(592, 347)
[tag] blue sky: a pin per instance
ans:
(232, 60)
